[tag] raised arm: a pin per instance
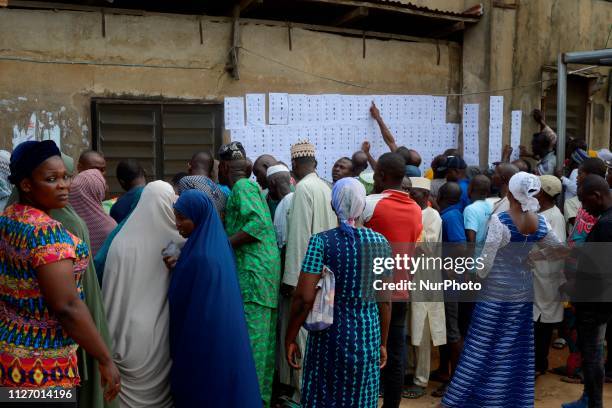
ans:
(538, 116)
(498, 236)
(384, 130)
(506, 154)
(365, 147)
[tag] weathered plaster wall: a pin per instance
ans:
(557, 26)
(65, 90)
(505, 50)
(508, 48)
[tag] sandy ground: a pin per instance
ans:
(550, 391)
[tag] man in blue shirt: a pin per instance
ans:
(131, 177)
(455, 171)
(453, 231)
(476, 215)
(476, 220)
(451, 211)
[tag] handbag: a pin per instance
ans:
(321, 316)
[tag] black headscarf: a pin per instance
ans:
(232, 151)
(28, 156)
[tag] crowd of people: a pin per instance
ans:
(195, 292)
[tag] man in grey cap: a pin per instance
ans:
(547, 276)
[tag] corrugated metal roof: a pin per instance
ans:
(475, 11)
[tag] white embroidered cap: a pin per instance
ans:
(277, 168)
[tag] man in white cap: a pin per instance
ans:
(427, 320)
(278, 180)
(310, 213)
(279, 189)
(547, 276)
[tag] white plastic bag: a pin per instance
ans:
(322, 314)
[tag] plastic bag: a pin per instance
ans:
(172, 249)
(322, 314)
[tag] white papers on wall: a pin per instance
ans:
(296, 110)
(245, 136)
(470, 134)
(439, 109)
(515, 134)
(28, 133)
(358, 111)
(496, 122)
(256, 109)
(452, 136)
(234, 112)
(278, 109)
(338, 124)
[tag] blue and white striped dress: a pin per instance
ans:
(341, 367)
(497, 365)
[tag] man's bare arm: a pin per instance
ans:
(365, 146)
(384, 130)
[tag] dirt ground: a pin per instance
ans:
(550, 391)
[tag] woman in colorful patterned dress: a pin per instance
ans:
(43, 319)
(342, 363)
(497, 365)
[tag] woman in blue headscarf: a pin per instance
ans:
(212, 362)
(342, 363)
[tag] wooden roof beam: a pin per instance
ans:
(397, 9)
(248, 5)
(243, 6)
(352, 16)
(447, 31)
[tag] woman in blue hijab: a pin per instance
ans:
(212, 362)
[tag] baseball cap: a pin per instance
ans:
(455, 162)
(551, 185)
(421, 182)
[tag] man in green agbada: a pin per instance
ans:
(251, 233)
(91, 393)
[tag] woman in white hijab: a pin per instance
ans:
(134, 289)
(497, 365)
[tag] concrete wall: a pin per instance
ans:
(60, 93)
(564, 25)
(509, 47)
(505, 51)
